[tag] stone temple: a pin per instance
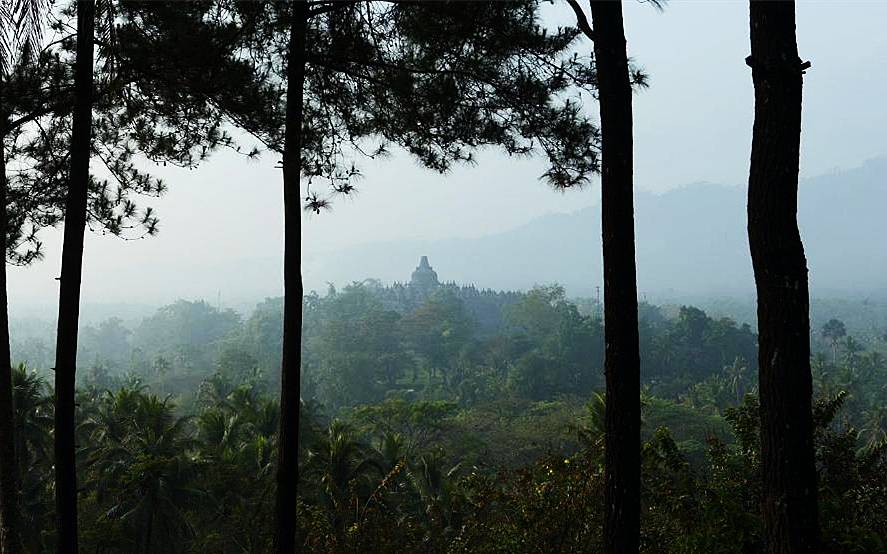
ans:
(424, 278)
(484, 304)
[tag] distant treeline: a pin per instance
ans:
(359, 347)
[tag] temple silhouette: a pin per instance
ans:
(424, 278)
(484, 304)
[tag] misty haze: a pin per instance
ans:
(365, 276)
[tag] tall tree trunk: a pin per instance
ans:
(149, 531)
(9, 533)
(290, 394)
(622, 356)
(790, 495)
(69, 289)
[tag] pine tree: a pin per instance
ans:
(69, 286)
(124, 104)
(438, 79)
(622, 462)
(780, 267)
(287, 476)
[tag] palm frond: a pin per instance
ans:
(23, 23)
(7, 24)
(658, 5)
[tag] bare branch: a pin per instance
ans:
(581, 20)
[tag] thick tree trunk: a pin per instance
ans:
(69, 289)
(622, 356)
(789, 503)
(290, 394)
(9, 533)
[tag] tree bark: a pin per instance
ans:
(69, 289)
(149, 530)
(780, 268)
(290, 393)
(9, 484)
(622, 355)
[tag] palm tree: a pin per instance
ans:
(593, 429)
(871, 362)
(237, 420)
(392, 449)
(342, 466)
(237, 438)
(214, 390)
(33, 426)
(33, 416)
(264, 419)
(230, 434)
(21, 26)
(852, 348)
(141, 460)
(222, 433)
(874, 428)
(833, 331)
(736, 375)
(437, 490)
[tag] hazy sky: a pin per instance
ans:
(693, 124)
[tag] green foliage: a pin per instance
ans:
(361, 345)
(423, 429)
(511, 475)
(833, 330)
(441, 80)
(553, 505)
(496, 449)
(140, 464)
(512, 432)
(690, 428)
(418, 424)
(33, 424)
(675, 354)
(154, 101)
(567, 347)
(437, 331)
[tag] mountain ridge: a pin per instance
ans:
(690, 240)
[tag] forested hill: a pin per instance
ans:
(690, 240)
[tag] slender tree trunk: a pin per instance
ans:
(790, 493)
(9, 485)
(622, 356)
(69, 289)
(290, 394)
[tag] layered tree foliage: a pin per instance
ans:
(157, 100)
(140, 109)
(20, 31)
(499, 451)
(568, 345)
(140, 114)
(403, 428)
(438, 79)
(170, 475)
